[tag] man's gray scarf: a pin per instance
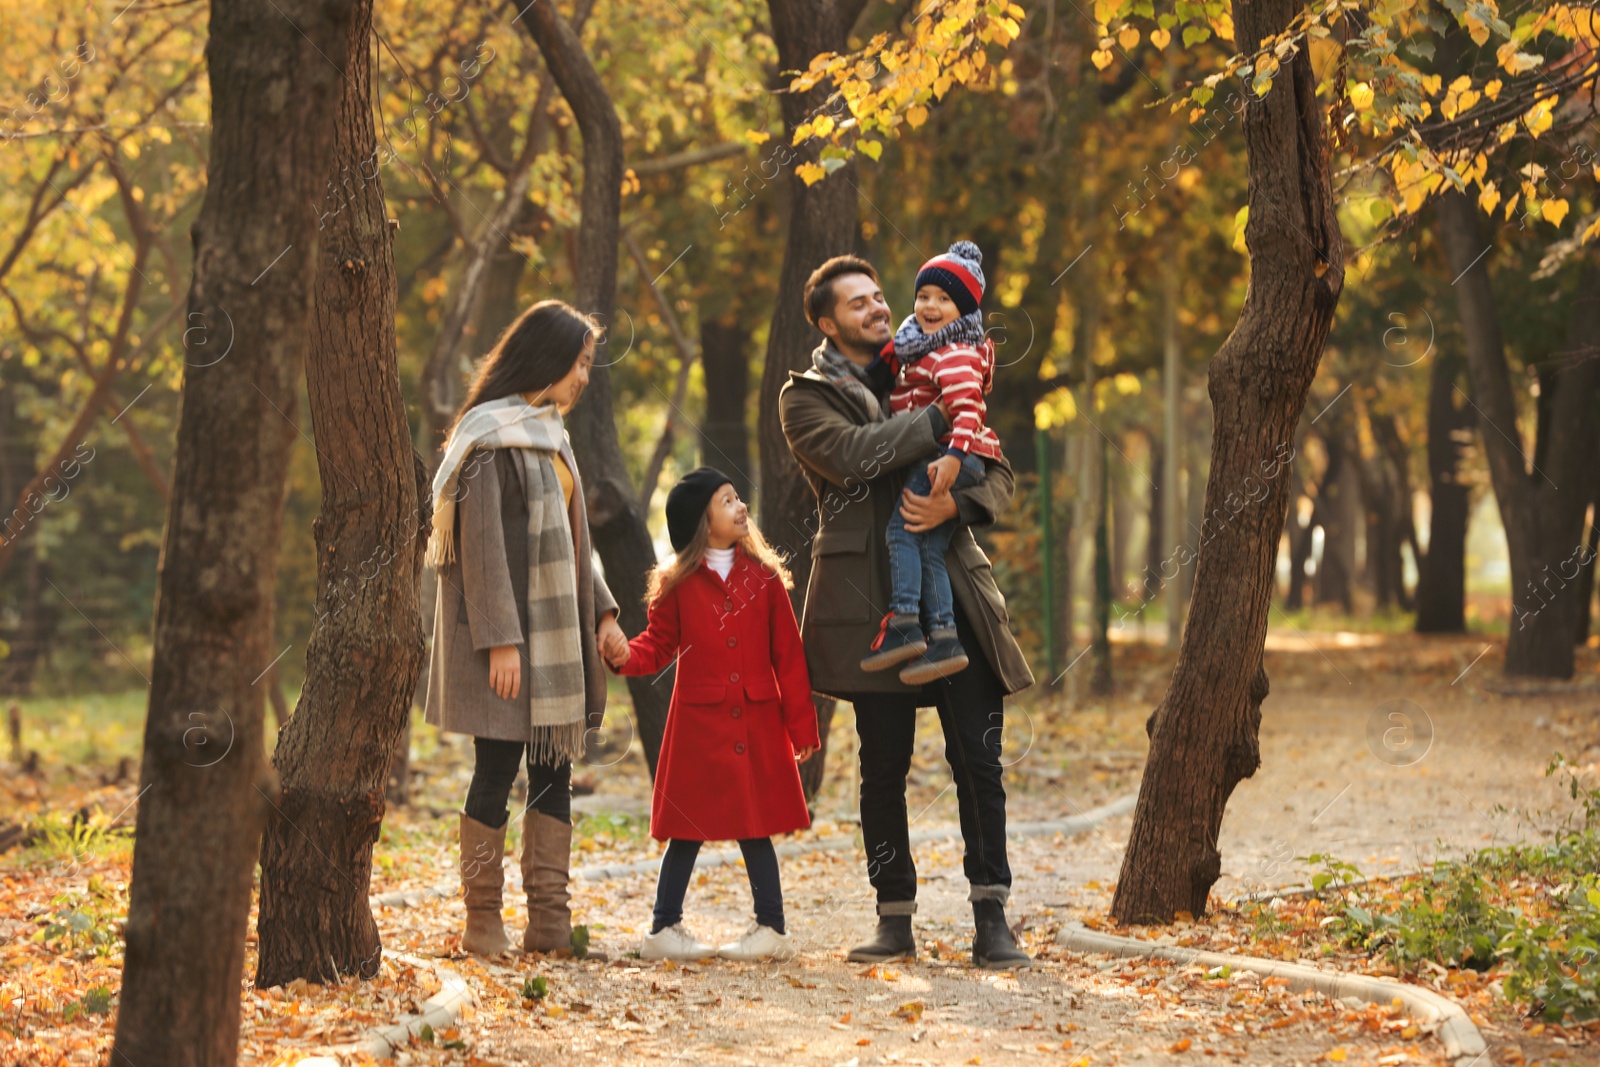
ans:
(840, 370)
(556, 696)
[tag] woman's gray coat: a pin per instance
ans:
(483, 602)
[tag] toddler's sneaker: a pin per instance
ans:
(899, 639)
(674, 943)
(944, 657)
(758, 943)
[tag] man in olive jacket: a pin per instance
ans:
(853, 452)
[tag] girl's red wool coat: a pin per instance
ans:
(741, 706)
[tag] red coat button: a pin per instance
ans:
(739, 748)
(733, 642)
(734, 677)
(736, 712)
(727, 605)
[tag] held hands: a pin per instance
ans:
(942, 473)
(613, 643)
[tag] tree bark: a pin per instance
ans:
(333, 755)
(1204, 734)
(821, 223)
(1542, 501)
(274, 71)
(615, 520)
(725, 361)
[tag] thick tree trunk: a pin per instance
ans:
(821, 223)
(725, 360)
(1203, 736)
(334, 754)
(1442, 578)
(274, 70)
(1543, 500)
(615, 520)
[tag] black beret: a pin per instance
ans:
(687, 502)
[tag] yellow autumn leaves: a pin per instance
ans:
(894, 80)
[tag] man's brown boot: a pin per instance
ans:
(482, 878)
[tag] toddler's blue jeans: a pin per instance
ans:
(919, 582)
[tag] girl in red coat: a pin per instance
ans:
(741, 716)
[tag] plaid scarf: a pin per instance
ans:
(833, 365)
(556, 693)
(911, 344)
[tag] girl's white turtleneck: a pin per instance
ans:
(720, 560)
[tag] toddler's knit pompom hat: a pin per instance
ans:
(959, 272)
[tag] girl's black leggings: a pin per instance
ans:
(494, 771)
(677, 866)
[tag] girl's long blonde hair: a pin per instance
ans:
(665, 576)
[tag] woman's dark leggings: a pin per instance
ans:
(494, 771)
(760, 862)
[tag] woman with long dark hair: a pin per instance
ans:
(522, 616)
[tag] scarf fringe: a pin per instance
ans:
(549, 745)
(441, 548)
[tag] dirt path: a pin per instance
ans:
(1331, 781)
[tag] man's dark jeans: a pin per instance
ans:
(919, 584)
(971, 709)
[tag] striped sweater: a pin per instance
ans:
(960, 375)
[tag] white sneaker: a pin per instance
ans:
(674, 943)
(758, 943)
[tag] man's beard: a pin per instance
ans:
(859, 339)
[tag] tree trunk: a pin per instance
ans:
(615, 520)
(1101, 682)
(821, 223)
(725, 360)
(1203, 736)
(274, 70)
(1542, 502)
(1338, 512)
(1155, 543)
(1397, 527)
(1122, 507)
(334, 754)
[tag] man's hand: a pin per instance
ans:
(505, 671)
(613, 642)
(923, 513)
(942, 473)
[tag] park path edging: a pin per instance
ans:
(439, 1011)
(1462, 1042)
